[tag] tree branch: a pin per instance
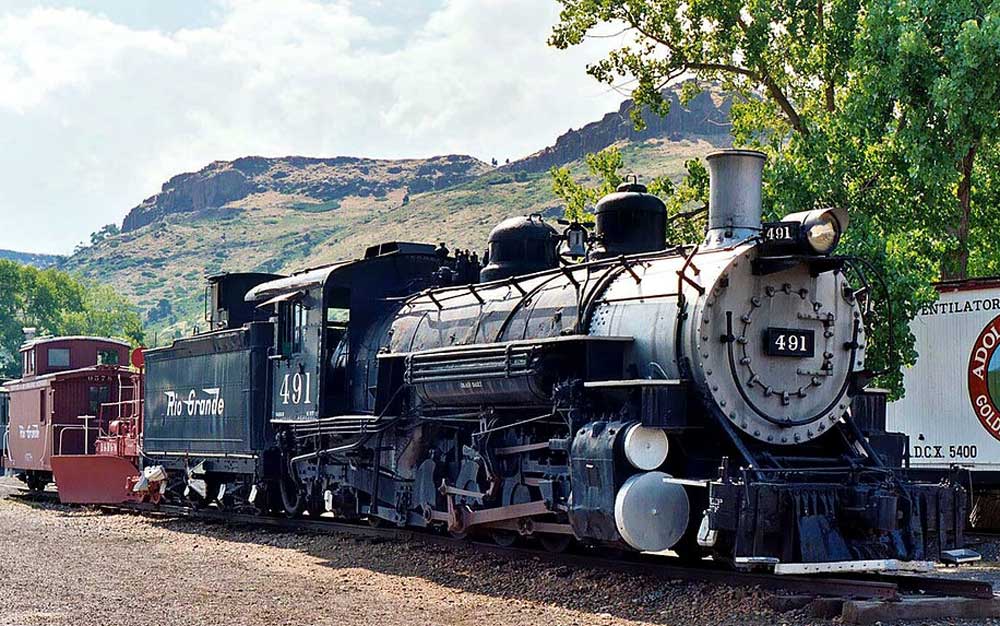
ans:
(683, 215)
(828, 82)
(763, 78)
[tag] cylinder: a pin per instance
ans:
(734, 205)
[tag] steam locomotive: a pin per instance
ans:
(647, 397)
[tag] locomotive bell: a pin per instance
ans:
(629, 221)
(520, 245)
(734, 205)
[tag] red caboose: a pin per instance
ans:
(61, 404)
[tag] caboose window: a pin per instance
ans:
(107, 357)
(96, 396)
(58, 357)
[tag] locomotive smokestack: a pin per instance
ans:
(734, 208)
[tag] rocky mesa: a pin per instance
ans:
(705, 115)
(322, 180)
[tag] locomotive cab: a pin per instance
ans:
(321, 367)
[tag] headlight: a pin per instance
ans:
(822, 233)
(817, 231)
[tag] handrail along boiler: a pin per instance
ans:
(649, 397)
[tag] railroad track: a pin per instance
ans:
(853, 586)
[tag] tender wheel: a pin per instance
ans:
(196, 501)
(504, 538)
(555, 543)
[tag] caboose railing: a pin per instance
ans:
(127, 410)
(85, 429)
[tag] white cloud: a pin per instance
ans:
(95, 115)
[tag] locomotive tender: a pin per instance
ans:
(694, 398)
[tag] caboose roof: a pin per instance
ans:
(90, 370)
(43, 340)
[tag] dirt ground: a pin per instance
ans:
(81, 567)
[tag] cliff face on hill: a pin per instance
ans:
(323, 180)
(706, 115)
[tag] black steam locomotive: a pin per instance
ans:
(693, 398)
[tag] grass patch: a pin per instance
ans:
(316, 207)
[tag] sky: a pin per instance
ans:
(101, 101)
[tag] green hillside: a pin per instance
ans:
(161, 266)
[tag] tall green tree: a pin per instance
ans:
(53, 302)
(886, 107)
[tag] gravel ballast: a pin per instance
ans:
(82, 567)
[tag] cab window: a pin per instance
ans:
(293, 328)
(337, 317)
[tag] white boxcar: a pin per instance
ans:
(950, 410)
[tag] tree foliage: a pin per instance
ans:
(108, 230)
(886, 107)
(55, 303)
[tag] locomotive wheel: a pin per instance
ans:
(520, 494)
(555, 543)
(292, 498)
